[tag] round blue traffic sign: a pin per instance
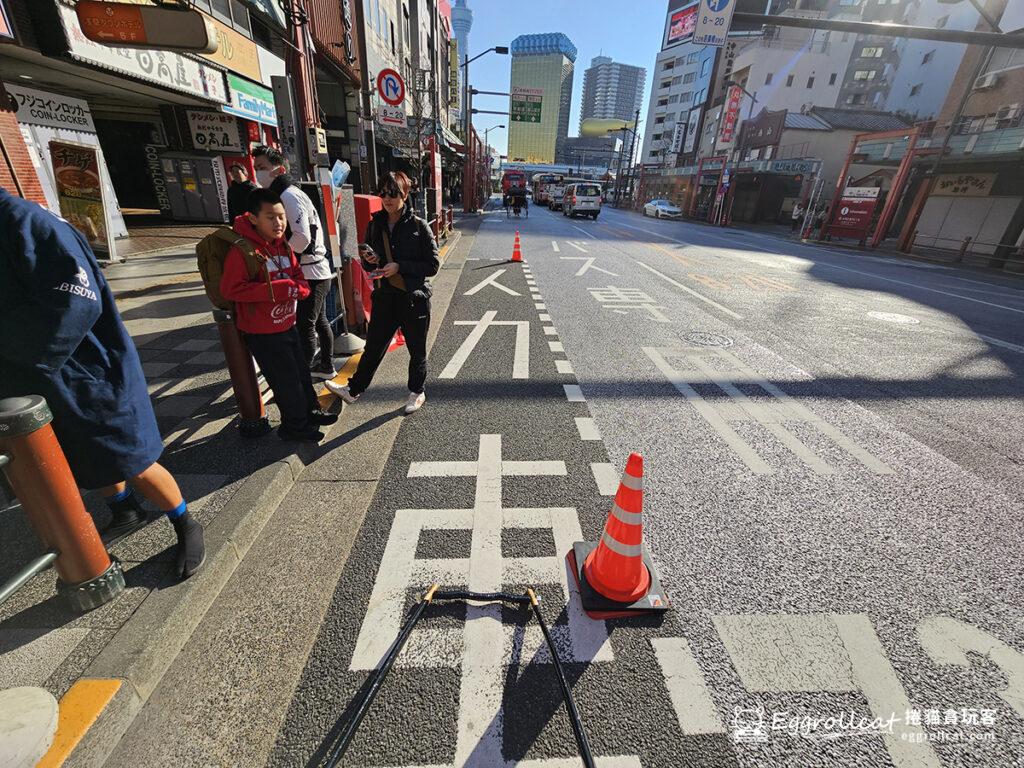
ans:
(717, 6)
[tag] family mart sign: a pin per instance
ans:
(251, 101)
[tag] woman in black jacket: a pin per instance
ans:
(401, 255)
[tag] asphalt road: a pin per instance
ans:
(833, 482)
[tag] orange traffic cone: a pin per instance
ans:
(616, 576)
(517, 254)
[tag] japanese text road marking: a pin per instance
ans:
(521, 361)
(588, 264)
(493, 282)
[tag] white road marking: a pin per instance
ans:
(521, 360)
(577, 247)
(556, 346)
(544, 318)
(554, 246)
(611, 761)
(588, 264)
(586, 232)
(574, 393)
(690, 291)
(687, 688)
(606, 477)
(563, 366)
(549, 330)
(1001, 343)
(587, 428)
(492, 280)
(540, 306)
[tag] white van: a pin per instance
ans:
(582, 199)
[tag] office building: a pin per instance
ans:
(541, 88)
(612, 90)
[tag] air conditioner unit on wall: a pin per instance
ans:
(986, 81)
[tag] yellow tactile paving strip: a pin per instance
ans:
(79, 708)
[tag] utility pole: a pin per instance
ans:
(632, 145)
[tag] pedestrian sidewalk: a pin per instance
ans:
(232, 487)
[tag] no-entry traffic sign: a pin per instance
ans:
(391, 87)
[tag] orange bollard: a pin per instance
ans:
(616, 577)
(242, 370)
(43, 483)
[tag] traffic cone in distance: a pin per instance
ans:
(517, 254)
(616, 576)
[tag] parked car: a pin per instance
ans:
(582, 199)
(662, 209)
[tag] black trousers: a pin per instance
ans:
(312, 323)
(283, 365)
(393, 310)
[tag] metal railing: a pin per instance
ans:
(968, 248)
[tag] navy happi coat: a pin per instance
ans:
(61, 337)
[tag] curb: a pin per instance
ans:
(145, 647)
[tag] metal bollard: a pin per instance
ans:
(42, 480)
(242, 371)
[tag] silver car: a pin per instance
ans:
(662, 209)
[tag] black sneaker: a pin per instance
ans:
(127, 516)
(307, 435)
(322, 418)
(323, 371)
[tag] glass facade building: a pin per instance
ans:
(540, 63)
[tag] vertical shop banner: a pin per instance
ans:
(527, 104)
(214, 131)
(677, 138)
(454, 92)
(435, 173)
(76, 171)
(852, 217)
(691, 129)
(732, 114)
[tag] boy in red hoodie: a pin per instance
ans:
(265, 309)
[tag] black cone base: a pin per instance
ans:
(599, 607)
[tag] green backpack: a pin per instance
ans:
(211, 253)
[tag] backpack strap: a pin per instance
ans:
(255, 262)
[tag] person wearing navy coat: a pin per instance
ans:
(61, 337)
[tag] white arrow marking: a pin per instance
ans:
(492, 281)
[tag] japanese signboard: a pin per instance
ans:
(453, 71)
(677, 138)
(389, 115)
(713, 20)
(133, 24)
(251, 101)
(214, 131)
(526, 104)
(852, 217)
(964, 185)
(235, 52)
(164, 68)
(681, 25)
(50, 109)
(76, 173)
(732, 113)
(691, 129)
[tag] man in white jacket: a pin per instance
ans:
(306, 238)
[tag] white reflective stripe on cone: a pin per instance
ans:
(635, 483)
(629, 518)
(616, 546)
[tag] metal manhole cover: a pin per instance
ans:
(894, 317)
(704, 339)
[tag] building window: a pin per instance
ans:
(662, 102)
(856, 99)
(673, 99)
(705, 68)
(768, 79)
(789, 81)
(668, 65)
(832, 79)
(928, 57)
(680, 61)
(810, 81)
(677, 80)
(689, 77)
(684, 97)
(231, 12)
(916, 89)
(865, 74)
(871, 53)
(666, 83)
(849, 2)
(692, 58)
(659, 120)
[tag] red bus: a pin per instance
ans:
(512, 178)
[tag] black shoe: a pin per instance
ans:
(323, 371)
(191, 550)
(322, 418)
(128, 516)
(309, 434)
(250, 429)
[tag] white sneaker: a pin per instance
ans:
(341, 392)
(415, 402)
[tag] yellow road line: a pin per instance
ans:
(681, 259)
(79, 708)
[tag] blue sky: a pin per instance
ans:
(627, 30)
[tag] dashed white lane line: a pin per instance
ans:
(587, 428)
(687, 688)
(690, 291)
(574, 393)
(577, 247)
(606, 477)
(554, 246)
(556, 346)
(541, 306)
(544, 318)
(563, 366)
(549, 330)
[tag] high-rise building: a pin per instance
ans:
(611, 90)
(542, 70)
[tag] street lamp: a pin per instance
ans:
(467, 121)
(469, 192)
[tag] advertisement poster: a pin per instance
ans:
(691, 130)
(526, 104)
(852, 217)
(76, 172)
(214, 131)
(732, 113)
(681, 25)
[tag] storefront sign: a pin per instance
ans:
(713, 21)
(235, 52)
(45, 108)
(156, 173)
(691, 130)
(852, 216)
(346, 21)
(76, 172)
(794, 166)
(251, 101)
(214, 131)
(527, 104)
(732, 113)
(164, 68)
(677, 138)
(964, 185)
(453, 72)
(681, 25)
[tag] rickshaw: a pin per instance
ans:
(515, 202)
